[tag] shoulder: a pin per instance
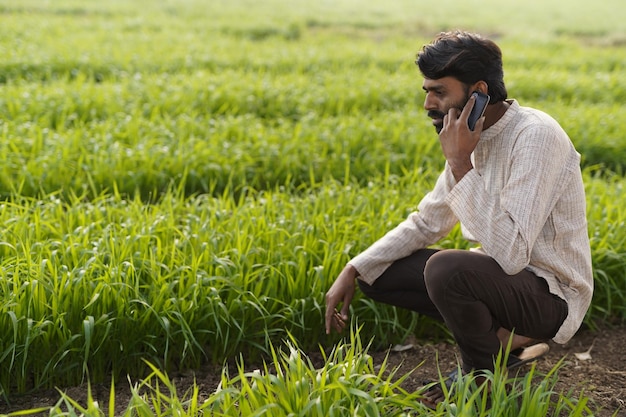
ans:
(529, 116)
(537, 129)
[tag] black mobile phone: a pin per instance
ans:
(479, 108)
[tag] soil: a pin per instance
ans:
(601, 374)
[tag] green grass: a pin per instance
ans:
(181, 181)
(280, 123)
(349, 383)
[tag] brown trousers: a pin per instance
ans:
(474, 297)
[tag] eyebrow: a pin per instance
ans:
(437, 88)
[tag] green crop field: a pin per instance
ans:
(181, 182)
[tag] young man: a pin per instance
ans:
(515, 185)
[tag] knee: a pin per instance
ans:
(440, 269)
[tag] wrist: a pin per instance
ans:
(460, 169)
(350, 272)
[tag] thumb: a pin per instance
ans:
(345, 308)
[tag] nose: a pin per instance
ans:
(429, 102)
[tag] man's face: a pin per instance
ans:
(442, 95)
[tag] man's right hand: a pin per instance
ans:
(341, 292)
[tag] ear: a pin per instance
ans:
(481, 86)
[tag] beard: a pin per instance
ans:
(435, 114)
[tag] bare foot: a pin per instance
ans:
(517, 341)
(432, 397)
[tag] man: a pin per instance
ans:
(514, 184)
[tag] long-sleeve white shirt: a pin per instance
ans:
(523, 203)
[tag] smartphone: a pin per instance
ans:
(479, 108)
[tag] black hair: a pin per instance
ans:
(468, 57)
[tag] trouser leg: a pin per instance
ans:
(402, 285)
(476, 297)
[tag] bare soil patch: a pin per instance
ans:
(602, 376)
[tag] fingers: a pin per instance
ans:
(452, 116)
(335, 320)
(468, 108)
(479, 124)
(455, 114)
(339, 321)
(330, 310)
(345, 307)
(341, 292)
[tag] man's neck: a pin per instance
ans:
(494, 113)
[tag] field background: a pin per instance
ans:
(181, 181)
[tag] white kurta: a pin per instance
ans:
(523, 203)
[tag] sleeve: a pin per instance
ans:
(507, 223)
(433, 220)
